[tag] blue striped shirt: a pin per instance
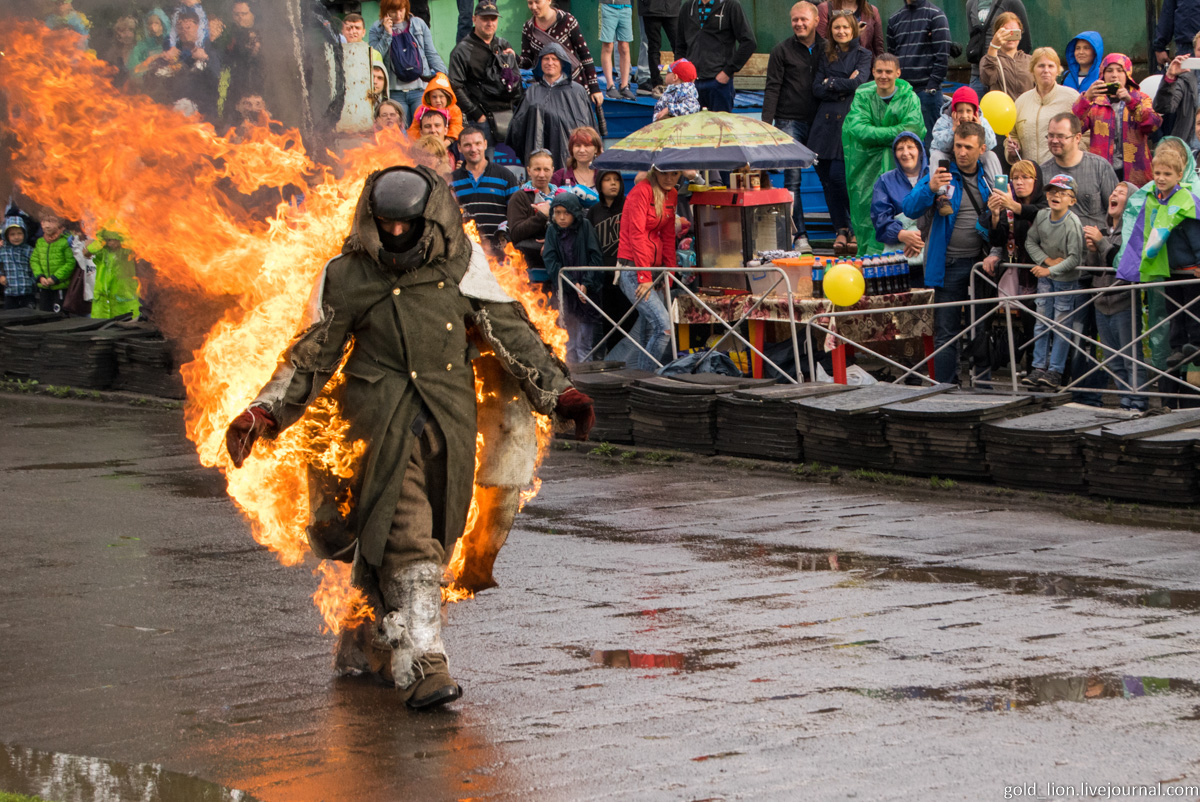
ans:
(485, 200)
(919, 35)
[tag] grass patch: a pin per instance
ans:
(7, 797)
(811, 470)
(603, 450)
(627, 456)
(658, 456)
(881, 477)
(942, 484)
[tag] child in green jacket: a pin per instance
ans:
(52, 263)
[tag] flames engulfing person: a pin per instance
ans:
(404, 298)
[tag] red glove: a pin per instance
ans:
(575, 406)
(245, 429)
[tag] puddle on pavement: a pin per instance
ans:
(195, 483)
(698, 660)
(786, 559)
(1024, 692)
(76, 778)
(71, 466)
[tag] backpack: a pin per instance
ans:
(405, 56)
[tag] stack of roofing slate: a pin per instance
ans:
(940, 435)
(681, 412)
(847, 429)
(18, 354)
(1044, 451)
(609, 391)
(759, 422)
(1147, 459)
(146, 365)
(25, 349)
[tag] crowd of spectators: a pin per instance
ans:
(901, 167)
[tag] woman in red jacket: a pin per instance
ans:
(647, 241)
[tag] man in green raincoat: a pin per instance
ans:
(116, 289)
(405, 291)
(881, 111)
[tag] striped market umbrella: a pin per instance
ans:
(706, 140)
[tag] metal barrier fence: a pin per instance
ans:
(981, 311)
(663, 282)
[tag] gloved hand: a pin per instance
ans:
(244, 430)
(575, 406)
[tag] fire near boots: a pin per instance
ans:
(413, 629)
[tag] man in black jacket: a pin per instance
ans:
(788, 100)
(717, 38)
(1175, 99)
(477, 76)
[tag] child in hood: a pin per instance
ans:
(16, 276)
(680, 97)
(439, 95)
(1112, 308)
(1150, 252)
(571, 242)
(1084, 54)
(1121, 125)
(115, 292)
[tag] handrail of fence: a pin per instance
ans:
(824, 323)
(1007, 303)
(731, 328)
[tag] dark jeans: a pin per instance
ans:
(931, 109)
(797, 130)
(655, 27)
(714, 95)
(50, 300)
(947, 321)
(465, 9)
(837, 197)
(18, 301)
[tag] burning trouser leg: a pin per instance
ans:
(408, 582)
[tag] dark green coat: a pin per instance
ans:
(408, 318)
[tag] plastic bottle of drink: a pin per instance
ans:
(818, 274)
(902, 262)
(892, 280)
(885, 274)
(865, 267)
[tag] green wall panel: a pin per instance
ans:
(1052, 22)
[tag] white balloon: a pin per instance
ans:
(1150, 85)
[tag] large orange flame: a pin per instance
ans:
(93, 153)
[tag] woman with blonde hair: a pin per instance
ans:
(647, 242)
(1036, 107)
(1006, 67)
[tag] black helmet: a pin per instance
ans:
(400, 194)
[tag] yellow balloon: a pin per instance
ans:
(844, 284)
(1000, 112)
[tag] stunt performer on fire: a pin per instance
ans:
(404, 291)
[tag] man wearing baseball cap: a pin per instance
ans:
(486, 95)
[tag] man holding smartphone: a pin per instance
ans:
(956, 240)
(1175, 99)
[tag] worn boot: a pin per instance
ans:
(413, 630)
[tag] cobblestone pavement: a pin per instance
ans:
(676, 631)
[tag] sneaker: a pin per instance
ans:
(657, 91)
(1051, 380)
(801, 244)
(1035, 377)
(627, 93)
(612, 92)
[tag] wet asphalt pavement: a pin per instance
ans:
(680, 631)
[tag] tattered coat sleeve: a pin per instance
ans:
(311, 358)
(502, 322)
